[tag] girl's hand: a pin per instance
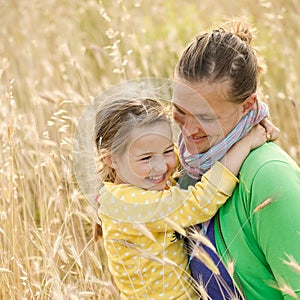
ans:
(273, 132)
(234, 158)
(256, 136)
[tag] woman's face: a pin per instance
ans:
(203, 114)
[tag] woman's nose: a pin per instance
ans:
(158, 164)
(191, 126)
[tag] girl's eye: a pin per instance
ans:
(169, 151)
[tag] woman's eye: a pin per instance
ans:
(178, 111)
(146, 158)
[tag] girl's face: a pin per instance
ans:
(203, 114)
(149, 159)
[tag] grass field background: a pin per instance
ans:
(55, 57)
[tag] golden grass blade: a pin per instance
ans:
(175, 226)
(263, 205)
(48, 77)
(4, 270)
(202, 290)
(202, 255)
(144, 230)
(139, 250)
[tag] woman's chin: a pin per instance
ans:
(196, 148)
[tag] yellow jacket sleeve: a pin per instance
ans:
(127, 203)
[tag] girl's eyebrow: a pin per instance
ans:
(150, 153)
(171, 145)
(145, 154)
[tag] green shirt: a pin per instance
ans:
(259, 242)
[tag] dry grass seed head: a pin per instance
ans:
(292, 263)
(175, 226)
(286, 289)
(203, 256)
(199, 237)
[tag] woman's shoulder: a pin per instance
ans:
(268, 160)
(266, 154)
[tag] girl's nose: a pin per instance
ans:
(158, 164)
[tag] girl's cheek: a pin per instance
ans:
(172, 162)
(143, 169)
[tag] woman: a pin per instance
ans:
(258, 230)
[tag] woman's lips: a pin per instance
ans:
(195, 139)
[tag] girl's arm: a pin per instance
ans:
(235, 157)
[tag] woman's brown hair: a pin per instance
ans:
(222, 55)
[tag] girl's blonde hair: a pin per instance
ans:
(115, 119)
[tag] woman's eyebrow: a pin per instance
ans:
(178, 108)
(199, 115)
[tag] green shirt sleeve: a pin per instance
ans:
(258, 229)
(276, 222)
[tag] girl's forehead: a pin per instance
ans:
(147, 135)
(160, 128)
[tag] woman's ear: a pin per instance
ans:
(249, 103)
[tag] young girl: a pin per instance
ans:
(139, 205)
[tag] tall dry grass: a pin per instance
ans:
(56, 56)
